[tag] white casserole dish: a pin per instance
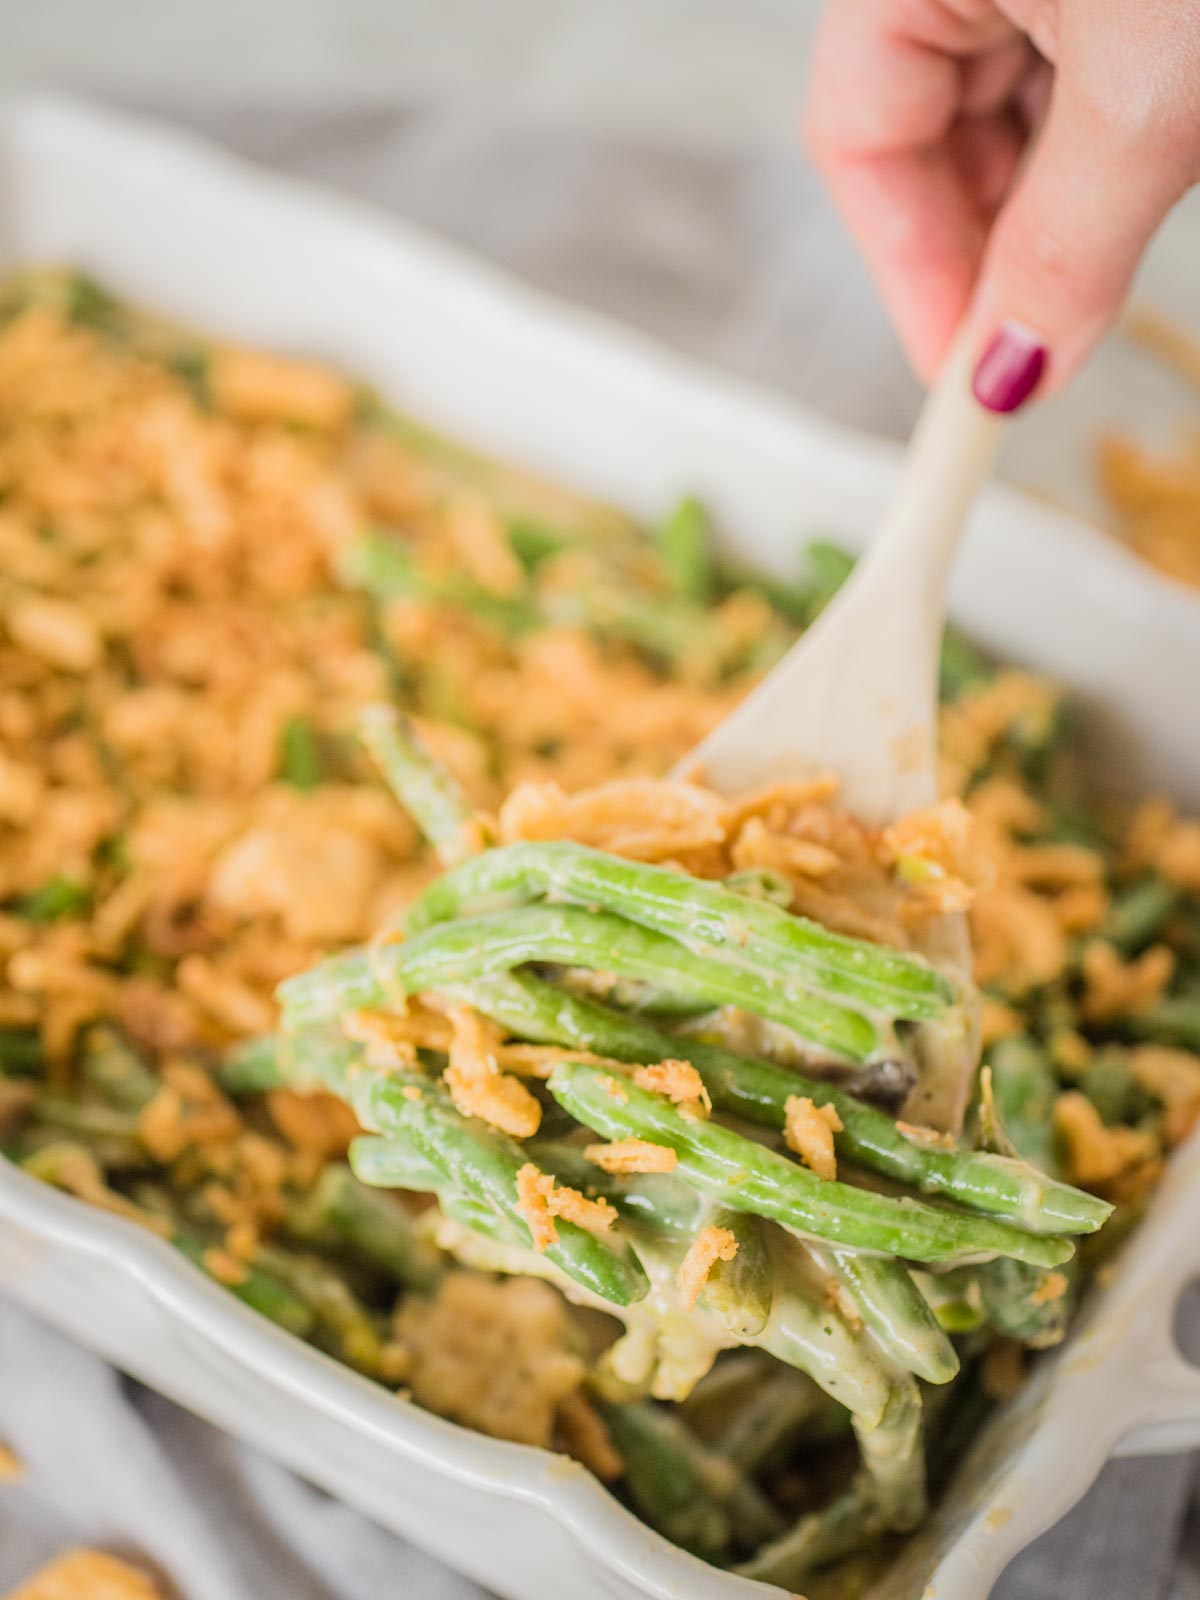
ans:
(210, 241)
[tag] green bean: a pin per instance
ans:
(1016, 1304)
(91, 1122)
(894, 1458)
(349, 1326)
(384, 1163)
(1070, 825)
(665, 629)
(785, 1409)
(749, 1177)
(847, 1524)
(1037, 740)
(712, 921)
(827, 566)
(420, 783)
(954, 1298)
(311, 1059)
(759, 1090)
(533, 542)
(1174, 1021)
(340, 1211)
(895, 1311)
(471, 1158)
(57, 899)
(684, 538)
(960, 665)
(761, 883)
(20, 1051)
(628, 994)
(380, 564)
(1025, 1088)
(90, 304)
(192, 365)
(662, 1478)
(262, 1291)
(1139, 914)
(1110, 1085)
(483, 1163)
(656, 1200)
(732, 1383)
(806, 1333)
(299, 754)
(454, 952)
(665, 1208)
(113, 1070)
(791, 602)
(739, 1292)
(960, 1419)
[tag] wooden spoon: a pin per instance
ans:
(857, 695)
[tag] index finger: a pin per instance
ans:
(882, 109)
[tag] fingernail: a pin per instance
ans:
(1010, 369)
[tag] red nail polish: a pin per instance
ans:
(1010, 369)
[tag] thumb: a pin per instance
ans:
(1063, 251)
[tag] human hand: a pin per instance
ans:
(920, 114)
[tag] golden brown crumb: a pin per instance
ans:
(680, 1082)
(1115, 987)
(844, 1305)
(540, 1200)
(709, 1246)
(189, 1110)
(758, 845)
(646, 819)
(1082, 909)
(1050, 1286)
(225, 1267)
(778, 801)
(11, 1466)
(1097, 1154)
(585, 1437)
(632, 1155)
(612, 1087)
(1179, 854)
(1017, 939)
(476, 1084)
(255, 387)
(481, 545)
(933, 854)
(496, 1356)
(314, 1121)
(80, 1174)
(1173, 1078)
(997, 1021)
(1071, 1052)
(920, 1134)
(597, 1216)
(539, 1060)
(809, 1131)
(86, 1575)
(58, 631)
(494, 1097)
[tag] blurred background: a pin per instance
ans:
(634, 155)
(638, 157)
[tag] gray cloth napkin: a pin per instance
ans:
(731, 256)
